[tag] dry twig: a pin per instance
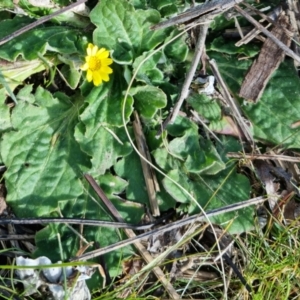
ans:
(263, 157)
(39, 22)
(281, 45)
(171, 226)
(209, 8)
(255, 32)
(231, 103)
(149, 174)
(132, 236)
(189, 77)
(271, 55)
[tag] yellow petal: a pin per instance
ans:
(97, 78)
(89, 49)
(104, 76)
(106, 61)
(105, 69)
(101, 50)
(84, 67)
(102, 53)
(94, 50)
(89, 75)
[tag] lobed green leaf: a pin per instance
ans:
(37, 41)
(125, 30)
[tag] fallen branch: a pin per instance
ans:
(171, 226)
(39, 22)
(189, 77)
(231, 102)
(287, 50)
(263, 157)
(270, 57)
(132, 236)
(149, 173)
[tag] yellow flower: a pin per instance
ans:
(97, 64)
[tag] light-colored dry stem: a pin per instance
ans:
(149, 174)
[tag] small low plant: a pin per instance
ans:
(68, 91)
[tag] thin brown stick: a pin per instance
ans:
(6, 237)
(254, 32)
(39, 22)
(189, 77)
(214, 7)
(238, 27)
(114, 212)
(171, 226)
(198, 119)
(263, 157)
(293, 13)
(148, 171)
(231, 102)
(74, 221)
(270, 18)
(132, 236)
(287, 50)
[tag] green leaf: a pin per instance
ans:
(105, 144)
(209, 108)
(178, 193)
(148, 72)
(278, 108)
(228, 144)
(148, 99)
(130, 168)
(15, 73)
(211, 192)
(25, 95)
(219, 44)
(205, 106)
(74, 18)
(89, 206)
(166, 161)
(280, 99)
(113, 187)
(36, 41)
(139, 4)
(8, 4)
(42, 157)
(178, 49)
(125, 30)
(180, 125)
(100, 132)
(70, 71)
(232, 70)
(71, 75)
(168, 10)
(131, 212)
(104, 104)
(199, 155)
(36, 9)
(220, 23)
(227, 188)
(166, 7)
(5, 122)
(214, 192)
(122, 54)
(213, 162)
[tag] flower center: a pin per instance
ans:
(94, 63)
